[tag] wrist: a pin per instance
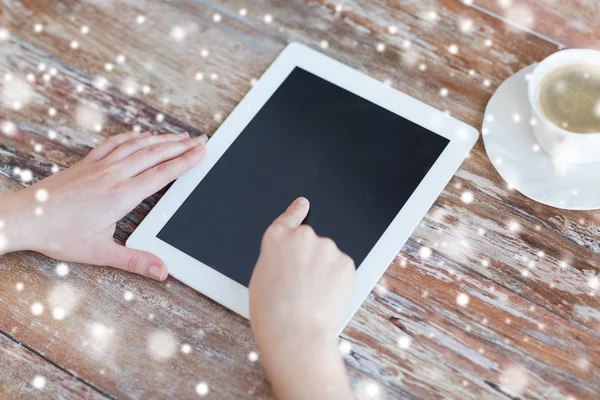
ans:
(303, 367)
(17, 216)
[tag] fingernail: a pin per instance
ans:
(301, 200)
(203, 138)
(155, 272)
(183, 135)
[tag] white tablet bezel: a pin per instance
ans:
(230, 293)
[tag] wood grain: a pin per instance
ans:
(26, 375)
(352, 36)
(573, 23)
(564, 232)
(105, 339)
(235, 53)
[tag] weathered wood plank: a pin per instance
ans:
(26, 375)
(352, 35)
(38, 141)
(110, 345)
(469, 348)
(174, 44)
(215, 358)
(550, 256)
(573, 23)
(121, 363)
(353, 32)
(221, 352)
(8, 185)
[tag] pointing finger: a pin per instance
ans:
(295, 214)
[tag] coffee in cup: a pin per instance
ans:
(570, 98)
(564, 94)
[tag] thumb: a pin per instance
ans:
(136, 261)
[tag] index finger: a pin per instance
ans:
(295, 213)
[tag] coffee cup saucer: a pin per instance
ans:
(515, 153)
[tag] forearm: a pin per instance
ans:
(313, 370)
(17, 216)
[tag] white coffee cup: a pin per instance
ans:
(565, 146)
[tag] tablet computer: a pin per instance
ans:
(371, 160)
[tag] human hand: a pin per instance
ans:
(299, 292)
(72, 215)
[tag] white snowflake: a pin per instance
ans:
(62, 269)
(466, 25)
(100, 83)
(140, 19)
(38, 382)
(345, 346)
(404, 342)
(58, 313)
(514, 379)
(17, 91)
(425, 252)
(99, 331)
(202, 389)
(253, 356)
(431, 16)
(26, 175)
(521, 15)
(372, 389)
(186, 348)
(8, 128)
(37, 308)
(514, 226)
(65, 297)
(462, 299)
(162, 345)
(89, 116)
(178, 33)
(467, 197)
(41, 195)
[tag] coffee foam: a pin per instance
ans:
(570, 98)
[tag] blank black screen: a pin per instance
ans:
(356, 162)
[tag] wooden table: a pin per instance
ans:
(97, 68)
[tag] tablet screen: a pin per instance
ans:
(356, 162)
